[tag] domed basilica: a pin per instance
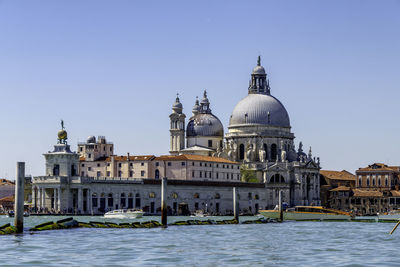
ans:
(259, 135)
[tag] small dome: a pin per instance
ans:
(62, 134)
(204, 124)
(256, 109)
(258, 70)
(177, 106)
(91, 140)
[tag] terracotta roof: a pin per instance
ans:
(340, 188)
(6, 182)
(379, 167)
(338, 175)
(194, 158)
(8, 198)
(395, 193)
(365, 193)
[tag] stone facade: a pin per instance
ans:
(259, 137)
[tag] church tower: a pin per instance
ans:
(177, 128)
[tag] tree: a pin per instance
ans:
(248, 175)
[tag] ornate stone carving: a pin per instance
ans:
(283, 152)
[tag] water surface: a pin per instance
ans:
(289, 244)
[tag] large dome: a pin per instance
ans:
(256, 109)
(204, 124)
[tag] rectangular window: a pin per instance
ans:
(108, 173)
(200, 174)
(89, 168)
(169, 163)
(183, 163)
(81, 148)
(192, 163)
(217, 175)
(157, 164)
(142, 173)
(119, 173)
(192, 174)
(201, 164)
(217, 166)
(89, 155)
(130, 173)
(131, 164)
(209, 143)
(142, 164)
(119, 165)
(98, 164)
(98, 174)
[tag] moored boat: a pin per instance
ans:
(124, 214)
(306, 213)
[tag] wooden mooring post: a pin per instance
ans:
(395, 227)
(280, 207)
(19, 197)
(164, 201)
(235, 205)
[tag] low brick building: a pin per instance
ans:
(336, 188)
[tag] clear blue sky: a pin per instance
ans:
(113, 68)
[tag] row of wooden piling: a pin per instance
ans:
(70, 223)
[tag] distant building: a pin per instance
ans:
(377, 189)
(73, 184)
(336, 189)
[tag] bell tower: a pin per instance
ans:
(177, 127)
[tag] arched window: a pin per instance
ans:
(196, 195)
(137, 201)
(368, 180)
(110, 201)
(130, 201)
(123, 200)
(73, 170)
(277, 178)
(94, 200)
(241, 152)
(379, 180)
(56, 170)
(157, 176)
(359, 181)
(217, 196)
(274, 152)
(266, 150)
(386, 181)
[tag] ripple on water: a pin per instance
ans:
(289, 243)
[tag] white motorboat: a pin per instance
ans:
(124, 214)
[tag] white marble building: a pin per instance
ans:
(259, 136)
